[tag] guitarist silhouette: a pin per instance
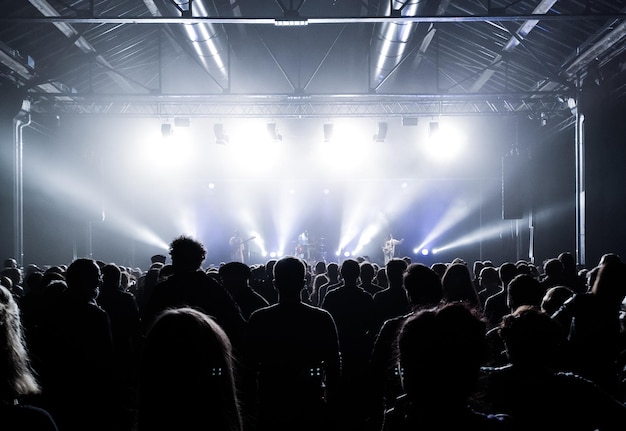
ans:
(237, 246)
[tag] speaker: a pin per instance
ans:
(11, 100)
(514, 186)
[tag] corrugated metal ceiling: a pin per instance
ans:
(462, 56)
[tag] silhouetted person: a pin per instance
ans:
(77, 381)
(264, 282)
(571, 278)
(488, 284)
(441, 352)
(392, 301)
(292, 359)
(353, 311)
(593, 328)
(368, 274)
(496, 305)
(554, 298)
(423, 287)
(532, 390)
(457, 285)
(187, 377)
(235, 277)
(126, 331)
(553, 273)
(18, 383)
(332, 272)
(190, 286)
(523, 290)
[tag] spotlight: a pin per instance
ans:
(409, 121)
(381, 134)
(425, 252)
(434, 128)
(166, 130)
(220, 135)
(272, 132)
(328, 132)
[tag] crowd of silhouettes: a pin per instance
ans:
(346, 345)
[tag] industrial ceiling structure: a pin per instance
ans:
(323, 58)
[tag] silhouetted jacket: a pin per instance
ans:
(198, 290)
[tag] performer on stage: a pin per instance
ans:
(389, 247)
(304, 246)
(236, 244)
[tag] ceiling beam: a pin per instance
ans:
(309, 21)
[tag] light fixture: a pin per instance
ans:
(272, 132)
(409, 121)
(166, 130)
(434, 128)
(291, 18)
(328, 132)
(220, 134)
(381, 134)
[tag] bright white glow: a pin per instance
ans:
(346, 254)
(166, 152)
(350, 149)
(481, 234)
(444, 144)
(273, 254)
(424, 252)
(457, 211)
(252, 152)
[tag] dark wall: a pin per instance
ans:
(605, 170)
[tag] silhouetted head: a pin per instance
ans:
(610, 283)
(568, 261)
(350, 270)
(332, 270)
(609, 257)
(458, 286)
(507, 271)
(158, 258)
(289, 277)
(554, 298)
(320, 267)
(441, 351)
(423, 286)
(367, 271)
(235, 272)
(83, 279)
(111, 277)
(395, 270)
(524, 289)
(489, 276)
(531, 337)
(553, 268)
(439, 268)
(187, 254)
(187, 379)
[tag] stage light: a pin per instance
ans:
(220, 134)
(381, 134)
(434, 129)
(272, 132)
(328, 132)
(425, 252)
(409, 121)
(166, 130)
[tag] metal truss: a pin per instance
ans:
(538, 105)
